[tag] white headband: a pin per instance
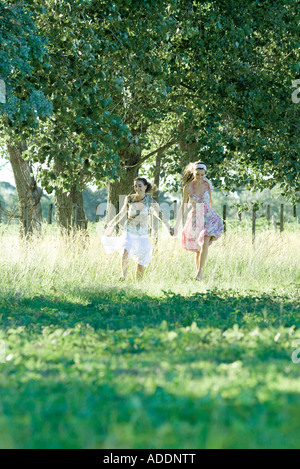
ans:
(200, 166)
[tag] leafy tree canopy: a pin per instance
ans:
(22, 52)
(208, 80)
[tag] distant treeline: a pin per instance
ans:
(92, 198)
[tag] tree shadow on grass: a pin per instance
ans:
(122, 309)
(156, 393)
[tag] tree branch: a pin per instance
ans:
(161, 149)
(188, 87)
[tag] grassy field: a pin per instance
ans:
(89, 362)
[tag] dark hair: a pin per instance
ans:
(188, 172)
(146, 183)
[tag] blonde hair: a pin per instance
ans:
(188, 172)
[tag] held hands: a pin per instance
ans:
(174, 232)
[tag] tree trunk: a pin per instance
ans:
(157, 171)
(64, 205)
(189, 146)
(118, 190)
(154, 220)
(28, 194)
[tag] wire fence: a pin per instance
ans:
(257, 211)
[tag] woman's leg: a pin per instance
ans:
(139, 271)
(124, 264)
(203, 255)
(197, 259)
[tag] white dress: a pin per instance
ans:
(135, 236)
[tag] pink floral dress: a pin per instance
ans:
(202, 221)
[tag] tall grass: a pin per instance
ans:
(67, 265)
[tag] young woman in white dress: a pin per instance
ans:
(203, 224)
(134, 243)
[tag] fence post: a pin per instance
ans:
(268, 212)
(239, 216)
(97, 217)
(50, 213)
(224, 217)
(294, 211)
(175, 210)
(281, 217)
(0, 211)
(75, 207)
(253, 224)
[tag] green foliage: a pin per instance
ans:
(23, 50)
(256, 205)
(102, 65)
(241, 208)
(107, 80)
(232, 70)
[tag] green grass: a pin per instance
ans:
(164, 363)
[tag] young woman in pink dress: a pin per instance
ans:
(203, 224)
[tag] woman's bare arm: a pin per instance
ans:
(159, 215)
(181, 211)
(119, 216)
